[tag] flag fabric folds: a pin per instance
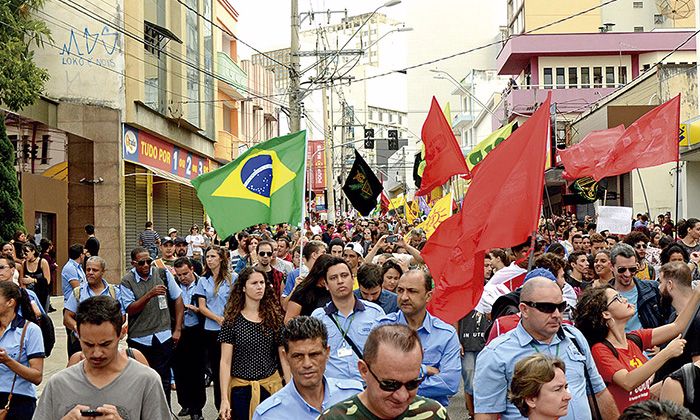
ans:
(443, 155)
(501, 209)
(264, 185)
(581, 158)
(485, 146)
(362, 186)
(650, 141)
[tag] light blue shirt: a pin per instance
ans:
(35, 299)
(86, 292)
(216, 302)
(190, 319)
(288, 404)
(33, 348)
(633, 324)
(496, 363)
(71, 271)
(441, 349)
(127, 296)
(289, 283)
(342, 363)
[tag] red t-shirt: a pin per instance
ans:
(630, 358)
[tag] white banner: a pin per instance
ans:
(614, 219)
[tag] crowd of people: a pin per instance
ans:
(331, 322)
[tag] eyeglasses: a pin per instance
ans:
(641, 246)
(2, 267)
(265, 254)
(632, 270)
(391, 385)
(618, 297)
(144, 262)
(547, 307)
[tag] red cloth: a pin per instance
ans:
(629, 359)
(443, 156)
(580, 159)
(384, 203)
(490, 218)
(649, 141)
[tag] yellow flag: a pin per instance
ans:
(479, 152)
(397, 202)
(440, 212)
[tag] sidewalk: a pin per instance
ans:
(59, 360)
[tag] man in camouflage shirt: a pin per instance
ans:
(391, 368)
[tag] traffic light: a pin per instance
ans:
(393, 139)
(369, 138)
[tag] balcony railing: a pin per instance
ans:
(234, 76)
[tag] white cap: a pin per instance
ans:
(354, 246)
(171, 231)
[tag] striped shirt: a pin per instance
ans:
(149, 237)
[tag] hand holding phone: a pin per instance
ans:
(91, 413)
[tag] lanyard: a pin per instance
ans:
(337, 324)
(537, 351)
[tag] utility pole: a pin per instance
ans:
(330, 184)
(294, 99)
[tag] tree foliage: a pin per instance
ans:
(21, 83)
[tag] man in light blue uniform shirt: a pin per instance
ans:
(310, 392)
(144, 289)
(348, 321)
(441, 365)
(72, 274)
(539, 331)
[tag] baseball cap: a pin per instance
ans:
(171, 231)
(540, 272)
(166, 240)
(354, 246)
(180, 240)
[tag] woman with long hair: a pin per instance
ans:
(603, 268)
(539, 389)
(212, 293)
(252, 248)
(601, 315)
(195, 241)
(311, 293)
(499, 259)
(251, 347)
(24, 368)
(37, 274)
(391, 273)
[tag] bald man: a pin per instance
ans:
(539, 331)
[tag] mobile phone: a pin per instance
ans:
(91, 413)
(392, 238)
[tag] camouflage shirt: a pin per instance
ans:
(353, 409)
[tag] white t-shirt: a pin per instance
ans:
(194, 243)
(316, 230)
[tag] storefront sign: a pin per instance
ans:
(316, 162)
(146, 149)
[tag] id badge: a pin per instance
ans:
(344, 352)
(162, 302)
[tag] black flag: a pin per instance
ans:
(362, 186)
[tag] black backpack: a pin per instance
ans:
(47, 332)
(637, 340)
(688, 375)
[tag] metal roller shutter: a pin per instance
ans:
(135, 205)
(160, 205)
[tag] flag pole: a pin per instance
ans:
(644, 191)
(678, 187)
(303, 201)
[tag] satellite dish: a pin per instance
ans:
(676, 9)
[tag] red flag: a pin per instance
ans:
(384, 203)
(501, 209)
(649, 141)
(443, 157)
(581, 158)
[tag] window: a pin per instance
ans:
(561, 80)
(209, 119)
(573, 77)
(658, 19)
(639, 28)
(192, 55)
(585, 77)
(622, 75)
(610, 77)
(227, 118)
(597, 77)
(547, 78)
(45, 139)
(638, 4)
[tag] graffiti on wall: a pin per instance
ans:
(87, 47)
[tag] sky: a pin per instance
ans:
(267, 28)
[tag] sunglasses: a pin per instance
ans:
(547, 307)
(265, 254)
(632, 270)
(641, 246)
(144, 262)
(618, 297)
(391, 385)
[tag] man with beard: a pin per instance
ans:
(181, 251)
(675, 285)
(310, 392)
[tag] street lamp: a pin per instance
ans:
(402, 29)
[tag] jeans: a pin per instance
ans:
(188, 366)
(21, 407)
(468, 366)
(211, 342)
(159, 356)
(240, 401)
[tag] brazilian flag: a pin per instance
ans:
(264, 185)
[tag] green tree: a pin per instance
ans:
(21, 82)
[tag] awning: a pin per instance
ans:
(165, 174)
